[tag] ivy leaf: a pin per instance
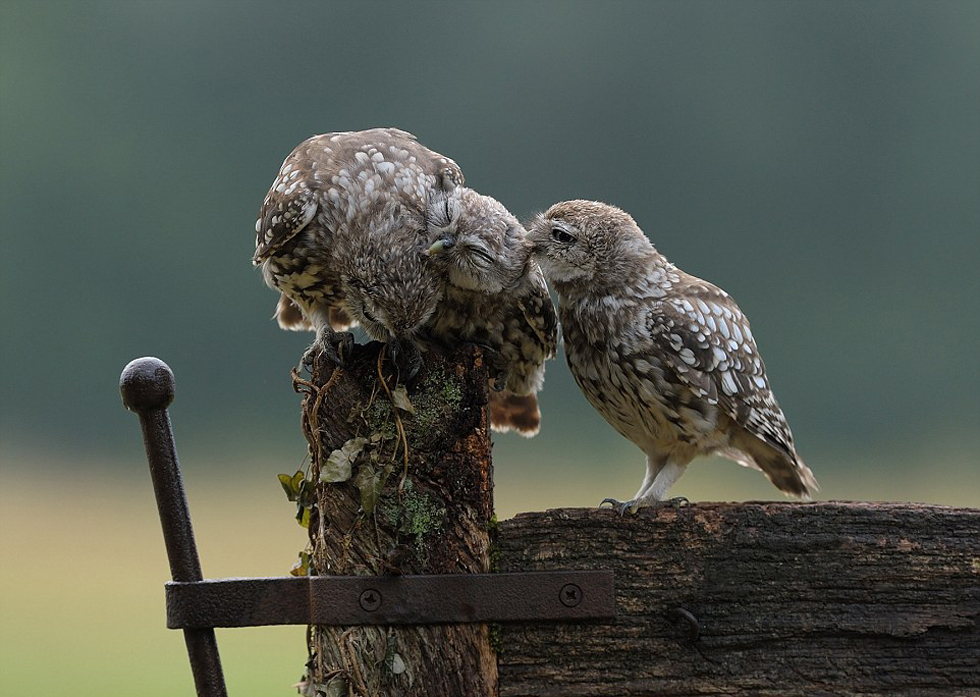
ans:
(337, 687)
(338, 465)
(289, 484)
(399, 397)
(306, 494)
(303, 516)
(368, 482)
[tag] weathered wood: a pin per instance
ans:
(432, 515)
(789, 599)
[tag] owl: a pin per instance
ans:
(666, 358)
(342, 206)
(344, 234)
(496, 297)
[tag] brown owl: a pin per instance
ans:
(667, 359)
(496, 297)
(342, 230)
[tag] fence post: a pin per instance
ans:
(401, 483)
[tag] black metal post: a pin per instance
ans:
(147, 386)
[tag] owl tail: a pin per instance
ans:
(289, 316)
(789, 474)
(511, 412)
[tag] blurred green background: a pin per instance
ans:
(819, 160)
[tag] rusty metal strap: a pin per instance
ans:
(356, 600)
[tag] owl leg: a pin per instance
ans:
(659, 478)
(497, 366)
(407, 358)
(330, 343)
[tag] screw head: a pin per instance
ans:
(570, 595)
(370, 600)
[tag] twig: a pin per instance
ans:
(398, 425)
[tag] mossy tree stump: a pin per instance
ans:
(403, 485)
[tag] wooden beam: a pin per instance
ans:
(755, 599)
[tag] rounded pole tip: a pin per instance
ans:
(146, 383)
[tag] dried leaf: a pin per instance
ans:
(397, 664)
(368, 482)
(399, 397)
(337, 468)
(302, 565)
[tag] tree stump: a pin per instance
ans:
(771, 599)
(402, 484)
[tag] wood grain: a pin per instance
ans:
(789, 599)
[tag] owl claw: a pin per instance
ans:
(496, 366)
(634, 505)
(407, 358)
(621, 506)
(336, 346)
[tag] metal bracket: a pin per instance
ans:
(197, 606)
(357, 600)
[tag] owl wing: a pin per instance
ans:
(348, 172)
(289, 206)
(705, 340)
(539, 311)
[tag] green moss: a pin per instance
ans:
(380, 420)
(417, 517)
(437, 400)
(496, 636)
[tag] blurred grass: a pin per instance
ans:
(81, 601)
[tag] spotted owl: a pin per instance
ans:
(341, 234)
(666, 358)
(496, 297)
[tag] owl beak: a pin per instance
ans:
(440, 246)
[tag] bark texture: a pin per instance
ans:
(756, 599)
(430, 514)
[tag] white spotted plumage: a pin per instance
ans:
(666, 358)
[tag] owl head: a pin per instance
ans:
(584, 242)
(389, 286)
(475, 241)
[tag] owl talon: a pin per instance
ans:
(634, 505)
(407, 358)
(496, 367)
(336, 347)
(622, 507)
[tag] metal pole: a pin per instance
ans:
(147, 386)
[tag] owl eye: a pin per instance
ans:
(560, 235)
(368, 316)
(481, 255)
